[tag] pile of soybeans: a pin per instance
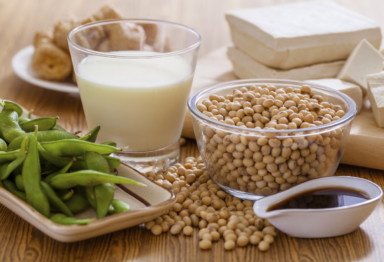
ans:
(202, 205)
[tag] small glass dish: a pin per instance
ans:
(250, 163)
(321, 222)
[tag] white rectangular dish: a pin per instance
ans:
(146, 204)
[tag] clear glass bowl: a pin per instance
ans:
(251, 163)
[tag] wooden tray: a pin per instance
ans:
(365, 146)
(146, 204)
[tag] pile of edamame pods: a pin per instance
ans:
(57, 172)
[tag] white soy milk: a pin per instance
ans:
(139, 103)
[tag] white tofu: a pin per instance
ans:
(350, 89)
(375, 79)
(245, 67)
(365, 59)
(376, 96)
(300, 34)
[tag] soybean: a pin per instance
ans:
(229, 218)
(265, 163)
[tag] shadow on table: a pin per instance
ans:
(353, 246)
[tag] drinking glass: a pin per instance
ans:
(134, 78)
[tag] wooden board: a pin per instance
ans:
(365, 145)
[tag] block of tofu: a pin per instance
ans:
(246, 67)
(350, 89)
(300, 34)
(376, 96)
(365, 59)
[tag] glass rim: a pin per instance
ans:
(192, 105)
(89, 51)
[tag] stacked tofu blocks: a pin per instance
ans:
(318, 41)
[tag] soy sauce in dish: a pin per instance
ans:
(328, 197)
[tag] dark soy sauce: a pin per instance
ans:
(329, 197)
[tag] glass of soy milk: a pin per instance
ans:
(134, 78)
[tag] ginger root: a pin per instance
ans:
(49, 61)
(51, 58)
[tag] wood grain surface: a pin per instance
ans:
(19, 241)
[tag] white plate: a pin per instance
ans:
(21, 64)
(146, 204)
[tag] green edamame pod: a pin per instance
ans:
(16, 143)
(97, 162)
(44, 123)
(58, 127)
(3, 170)
(9, 156)
(119, 206)
(66, 194)
(110, 143)
(55, 160)
(77, 203)
(7, 168)
(31, 176)
(113, 162)
(42, 136)
(65, 220)
(11, 187)
(91, 135)
(103, 195)
(88, 178)
(19, 182)
(23, 119)
(46, 167)
(76, 147)
(54, 199)
(12, 106)
(3, 145)
(61, 171)
(9, 125)
(90, 195)
(104, 192)
(79, 164)
(53, 135)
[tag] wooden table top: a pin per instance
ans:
(19, 241)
